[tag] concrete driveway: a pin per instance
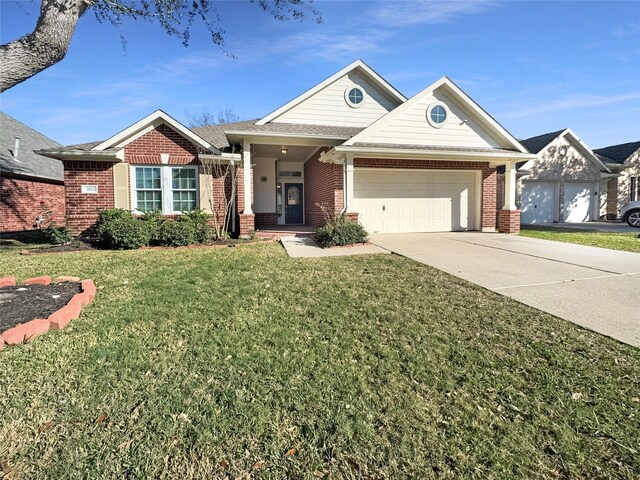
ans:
(593, 287)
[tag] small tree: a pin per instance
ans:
(221, 201)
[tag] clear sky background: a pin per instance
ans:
(535, 66)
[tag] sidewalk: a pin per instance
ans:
(305, 247)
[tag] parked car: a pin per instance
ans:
(630, 213)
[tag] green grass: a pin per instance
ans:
(614, 241)
(202, 362)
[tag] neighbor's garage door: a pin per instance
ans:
(577, 201)
(537, 204)
(390, 200)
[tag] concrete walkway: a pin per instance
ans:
(305, 247)
(593, 287)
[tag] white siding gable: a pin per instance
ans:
(409, 126)
(329, 107)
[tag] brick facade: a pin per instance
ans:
(247, 224)
(323, 185)
(488, 216)
(22, 199)
(162, 139)
(509, 221)
(266, 219)
(83, 208)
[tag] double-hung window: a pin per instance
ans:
(166, 189)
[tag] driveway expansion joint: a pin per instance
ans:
(533, 256)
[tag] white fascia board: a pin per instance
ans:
(337, 154)
(586, 151)
(270, 138)
(461, 97)
(221, 158)
(386, 86)
(156, 118)
(111, 155)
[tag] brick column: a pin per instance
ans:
(247, 224)
(509, 221)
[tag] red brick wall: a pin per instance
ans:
(509, 221)
(162, 139)
(82, 208)
(488, 220)
(266, 219)
(23, 199)
(322, 186)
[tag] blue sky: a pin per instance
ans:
(535, 66)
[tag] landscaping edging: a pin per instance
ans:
(58, 320)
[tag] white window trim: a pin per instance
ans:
(348, 100)
(167, 190)
(447, 112)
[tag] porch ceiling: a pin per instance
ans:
(295, 153)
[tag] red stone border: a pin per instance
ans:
(24, 332)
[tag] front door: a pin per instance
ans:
(293, 203)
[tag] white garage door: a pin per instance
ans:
(577, 201)
(414, 200)
(537, 203)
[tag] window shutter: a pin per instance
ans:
(121, 185)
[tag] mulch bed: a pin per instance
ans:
(23, 303)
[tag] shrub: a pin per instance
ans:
(56, 235)
(51, 231)
(177, 234)
(339, 230)
(113, 214)
(154, 221)
(200, 222)
(122, 232)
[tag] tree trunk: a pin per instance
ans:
(45, 46)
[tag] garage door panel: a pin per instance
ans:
(577, 201)
(537, 202)
(414, 201)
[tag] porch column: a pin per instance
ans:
(348, 183)
(247, 174)
(509, 216)
(510, 186)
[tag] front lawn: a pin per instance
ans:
(243, 363)
(615, 241)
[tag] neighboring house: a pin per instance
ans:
(623, 160)
(566, 182)
(353, 143)
(29, 183)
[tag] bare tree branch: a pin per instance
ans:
(45, 46)
(49, 42)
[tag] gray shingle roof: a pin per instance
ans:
(537, 143)
(27, 163)
(617, 153)
(215, 134)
